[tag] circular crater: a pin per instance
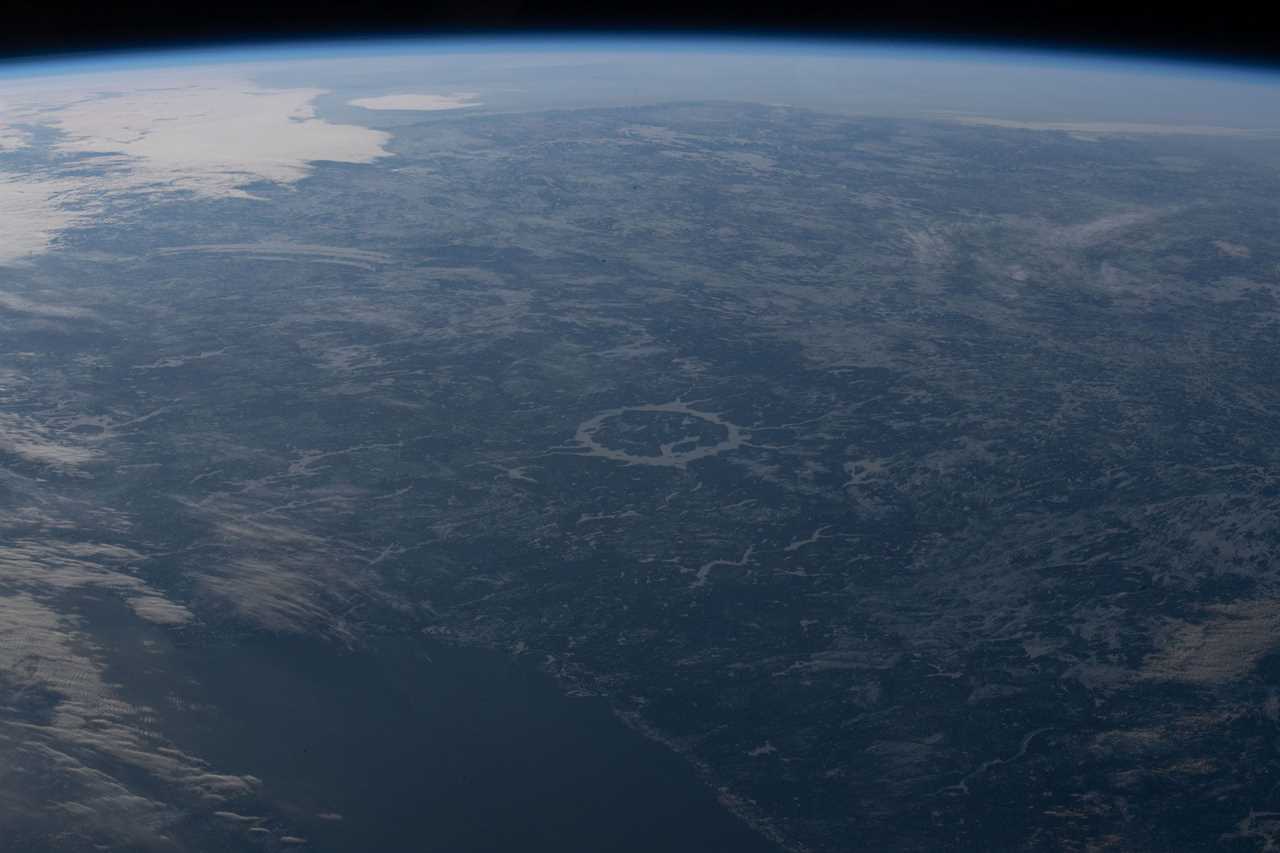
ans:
(665, 434)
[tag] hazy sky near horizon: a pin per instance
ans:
(857, 77)
(211, 127)
(1042, 87)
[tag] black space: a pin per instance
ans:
(1239, 30)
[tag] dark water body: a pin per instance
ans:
(426, 747)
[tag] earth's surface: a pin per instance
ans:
(638, 447)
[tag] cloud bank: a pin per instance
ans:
(204, 135)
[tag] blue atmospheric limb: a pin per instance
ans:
(1002, 53)
(1009, 82)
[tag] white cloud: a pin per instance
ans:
(206, 135)
(34, 442)
(457, 100)
(159, 610)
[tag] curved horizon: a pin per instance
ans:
(1059, 54)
